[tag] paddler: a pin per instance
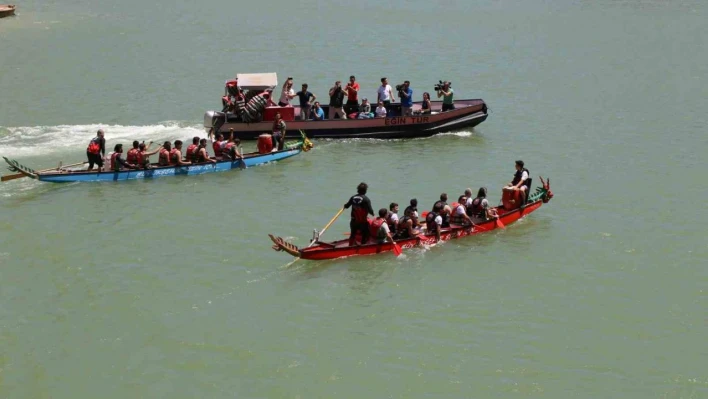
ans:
(176, 155)
(191, 153)
(96, 150)
(459, 214)
(132, 155)
(445, 210)
(382, 230)
(392, 217)
(164, 158)
(144, 156)
(229, 150)
(406, 226)
(202, 154)
(413, 210)
(479, 207)
(361, 208)
(117, 161)
(217, 145)
(434, 220)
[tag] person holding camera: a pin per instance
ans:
(317, 112)
(446, 92)
(352, 90)
(336, 101)
(406, 94)
(287, 93)
(385, 93)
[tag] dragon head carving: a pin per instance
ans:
(547, 187)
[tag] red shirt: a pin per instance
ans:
(351, 94)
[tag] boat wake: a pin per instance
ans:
(41, 140)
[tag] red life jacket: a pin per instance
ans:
(164, 157)
(140, 158)
(217, 148)
(114, 161)
(174, 156)
(94, 147)
(132, 156)
(191, 150)
(377, 230)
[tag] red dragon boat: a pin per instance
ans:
(508, 212)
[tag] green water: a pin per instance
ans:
(168, 288)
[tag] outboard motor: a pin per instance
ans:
(214, 119)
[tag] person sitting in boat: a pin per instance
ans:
(445, 210)
(202, 153)
(479, 206)
(365, 109)
(317, 112)
(96, 150)
(191, 153)
(176, 155)
(164, 158)
(407, 226)
(521, 178)
(361, 207)
(132, 155)
(143, 159)
(459, 214)
(434, 220)
(306, 99)
(413, 210)
(392, 217)
(382, 229)
(230, 149)
(217, 145)
(426, 107)
(279, 129)
(381, 111)
(117, 161)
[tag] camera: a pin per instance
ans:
(440, 85)
(399, 87)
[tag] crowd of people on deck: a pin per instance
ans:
(310, 107)
(170, 153)
(467, 211)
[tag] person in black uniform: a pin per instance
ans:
(361, 208)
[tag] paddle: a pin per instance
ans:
(499, 223)
(320, 235)
(21, 175)
(397, 250)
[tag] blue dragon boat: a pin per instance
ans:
(67, 176)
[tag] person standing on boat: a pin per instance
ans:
(117, 161)
(352, 90)
(317, 112)
(392, 217)
(176, 155)
(447, 93)
(143, 159)
(306, 100)
(361, 208)
(385, 94)
(336, 101)
(287, 93)
(381, 227)
(278, 135)
(96, 150)
(406, 95)
(521, 177)
(202, 153)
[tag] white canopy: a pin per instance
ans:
(257, 81)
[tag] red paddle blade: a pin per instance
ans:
(499, 223)
(424, 214)
(397, 249)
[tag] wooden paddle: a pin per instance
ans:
(320, 235)
(21, 175)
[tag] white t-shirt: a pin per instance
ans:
(384, 93)
(460, 210)
(394, 217)
(385, 228)
(438, 220)
(284, 95)
(381, 112)
(524, 175)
